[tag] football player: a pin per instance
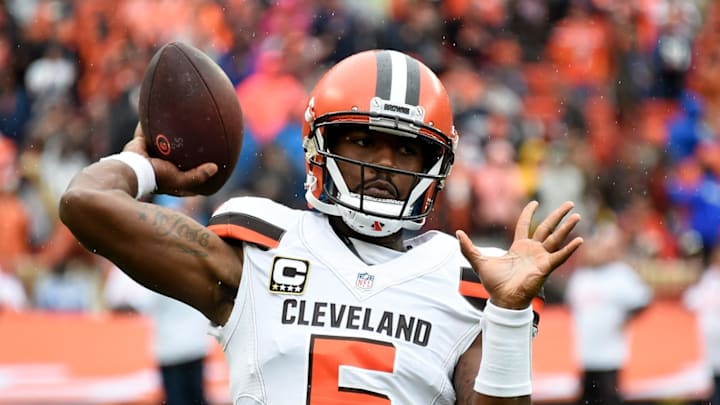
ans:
(335, 304)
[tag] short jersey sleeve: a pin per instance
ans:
(254, 220)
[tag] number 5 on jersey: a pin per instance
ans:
(329, 353)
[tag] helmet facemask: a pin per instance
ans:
(366, 214)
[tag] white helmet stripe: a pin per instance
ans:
(398, 78)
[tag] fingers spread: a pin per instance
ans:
(559, 257)
(555, 239)
(522, 229)
(467, 247)
(547, 226)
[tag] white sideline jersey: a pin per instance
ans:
(313, 324)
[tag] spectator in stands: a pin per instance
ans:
(604, 293)
(559, 175)
(14, 217)
(15, 109)
(52, 76)
(499, 190)
(270, 120)
(693, 189)
(704, 299)
(12, 293)
(672, 55)
(14, 228)
(687, 128)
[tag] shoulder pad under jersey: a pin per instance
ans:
(255, 220)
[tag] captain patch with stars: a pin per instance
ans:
(288, 276)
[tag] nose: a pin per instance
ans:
(385, 154)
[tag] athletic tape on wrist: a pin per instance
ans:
(505, 368)
(144, 172)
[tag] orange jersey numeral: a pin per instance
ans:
(328, 353)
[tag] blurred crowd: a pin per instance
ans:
(612, 104)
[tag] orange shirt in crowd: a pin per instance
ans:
(14, 231)
(266, 116)
(579, 48)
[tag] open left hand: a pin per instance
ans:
(514, 279)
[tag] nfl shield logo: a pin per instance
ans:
(364, 281)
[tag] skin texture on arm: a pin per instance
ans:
(160, 248)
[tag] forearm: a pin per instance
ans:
(162, 249)
(99, 208)
(496, 370)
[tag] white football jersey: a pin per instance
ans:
(313, 324)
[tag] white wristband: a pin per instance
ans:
(144, 172)
(506, 365)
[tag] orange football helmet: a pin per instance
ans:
(391, 93)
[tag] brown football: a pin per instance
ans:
(190, 113)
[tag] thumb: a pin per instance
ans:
(202, 173)
(209, 169)
(468, 249)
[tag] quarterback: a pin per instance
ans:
(335, 304)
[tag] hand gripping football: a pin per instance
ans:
(190, 113)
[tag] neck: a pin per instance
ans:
(394, 241)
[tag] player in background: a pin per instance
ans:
(604, 294)
(333, 305)
(703, 298)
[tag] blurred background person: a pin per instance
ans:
(704, 299)
(604, 292)
(14, 230)
(14, 215)
(180, 340)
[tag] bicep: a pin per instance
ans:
(160, 248)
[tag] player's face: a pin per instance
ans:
(380, 149)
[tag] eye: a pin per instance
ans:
(409, 150)
(361, 141)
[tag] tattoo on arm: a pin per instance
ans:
(191, 252)
(190, 238)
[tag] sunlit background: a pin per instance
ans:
(612, 104)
